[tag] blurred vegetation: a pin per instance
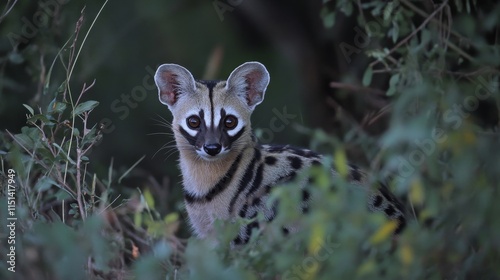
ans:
(409, 89)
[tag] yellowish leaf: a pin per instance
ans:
(340, 162)
(312, 271)
(316, 239)
(406, 254)
(425, 214)
(384, 232)
(138, 219)
(366, 268)
(171, 218)
(150, 201)
(416, 192)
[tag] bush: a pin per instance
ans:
(438, 69)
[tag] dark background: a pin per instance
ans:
(444, 54)
(131, 38)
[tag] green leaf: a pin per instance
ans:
(394, 31)
(149, 198)
(28, 137)
(89, 137)
(393, 82)
(388, 11)
(328, 17)
(61, 87)
(347, 8)
(44, 184)
(66, 157)
(25, 141)
(367, 77)
(32, 112)
(56, 107)
(85, 107)
(40, 117)
(341, 162)
(62, 194)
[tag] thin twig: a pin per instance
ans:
(79, 184)
(7, 10)
(84, 90)
(109, 205)
(412, 34)
(454, 33)
(380, 113)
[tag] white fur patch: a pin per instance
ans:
(216, 117)
(184, 125)
(241, 123)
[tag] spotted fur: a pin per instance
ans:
(226, 173)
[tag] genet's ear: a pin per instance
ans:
(173, 81)
(249, 81)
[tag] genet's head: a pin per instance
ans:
(212, 118)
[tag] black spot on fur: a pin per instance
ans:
(305, 200)
(378, 201)
(256, 201)
(295, 162)
(254, 214)
(238, 240)
(267, 189)
(270, 160)
(354, 173)
(274, 212)
(245, 237)
(390, 210)
(305, 195)
(285, 231)
(243, 210)
(249, 229)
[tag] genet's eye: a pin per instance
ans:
(230, 122)
(193, 122)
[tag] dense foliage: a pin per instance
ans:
(433, 66)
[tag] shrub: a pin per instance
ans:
(440, 73)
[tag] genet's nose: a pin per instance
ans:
(212, 149)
